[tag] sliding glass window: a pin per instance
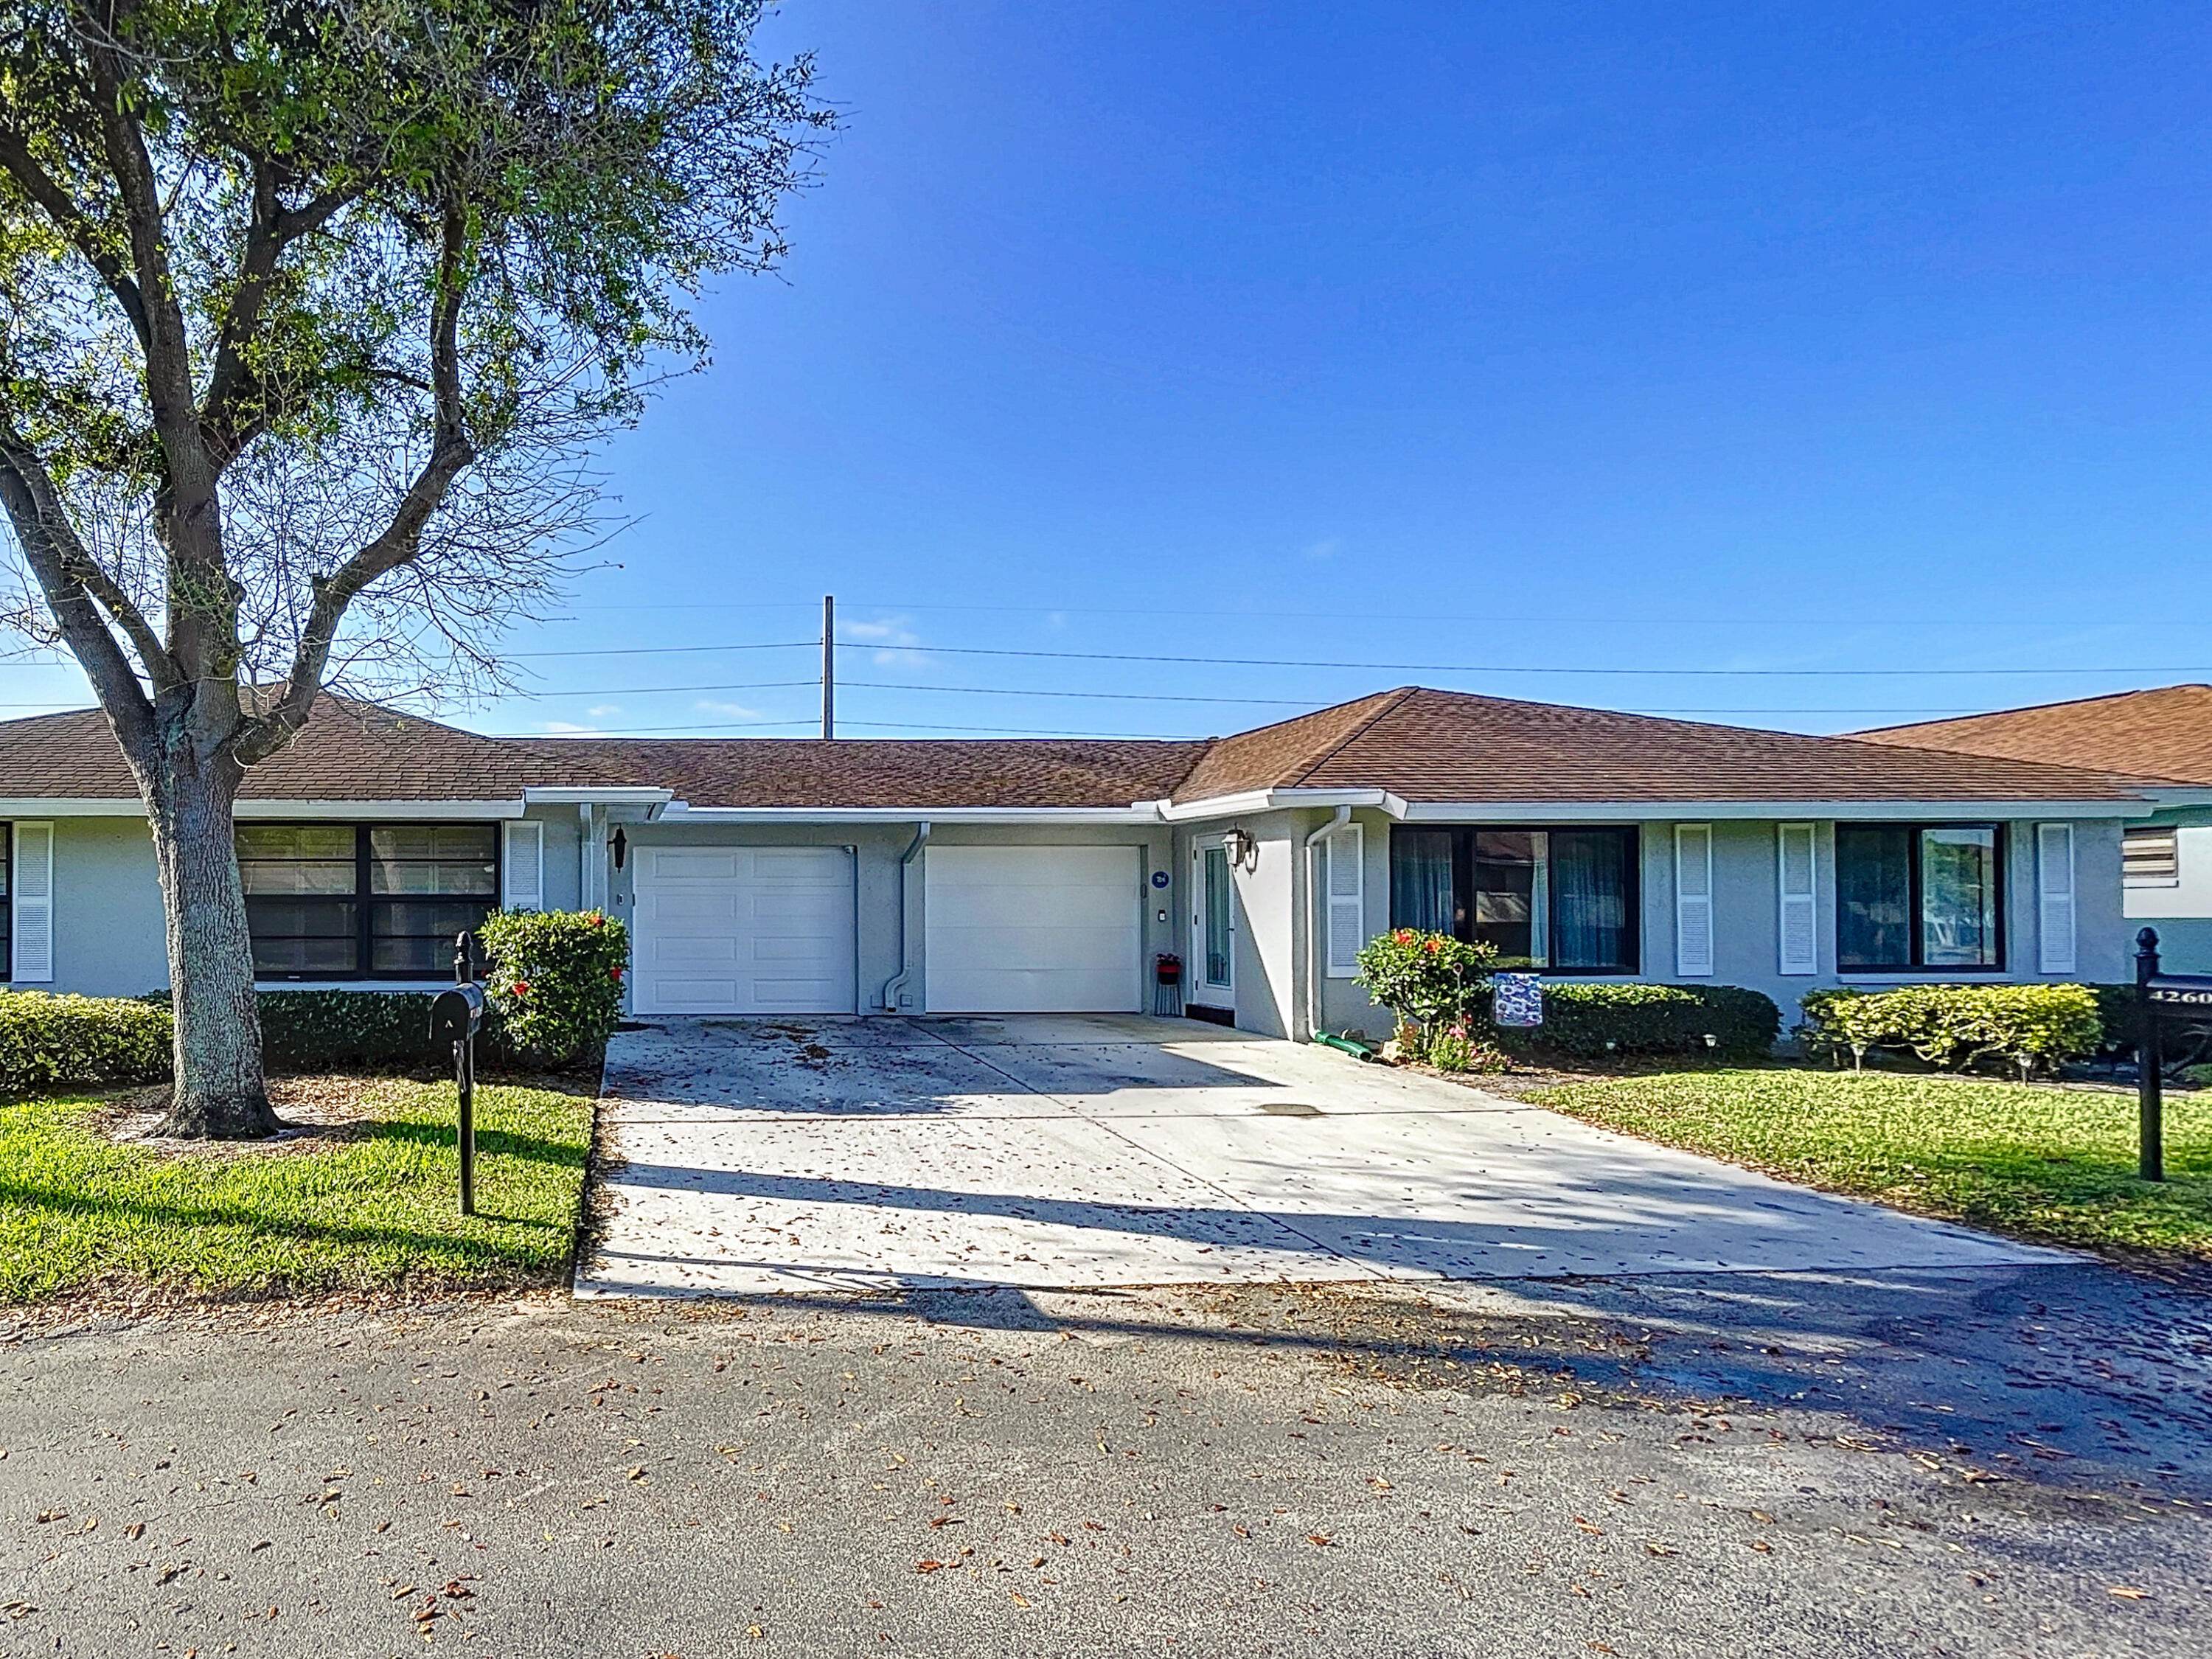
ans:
(1912, 897)
(344, 901)
(1562, 900)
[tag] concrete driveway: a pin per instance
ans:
(744, 1156)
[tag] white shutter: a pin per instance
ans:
(1694, 900)
(2054, 887)
(1347, 900)
(523, 874)
(33, 931)
(1800, 928)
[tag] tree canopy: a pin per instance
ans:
(309, 312)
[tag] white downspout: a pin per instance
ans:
(896, 983)
(587, 844)
(1317, 916)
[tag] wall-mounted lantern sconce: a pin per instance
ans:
(1241, 848)
(620, 844)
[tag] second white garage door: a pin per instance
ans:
(1033, 930)
(742, 930)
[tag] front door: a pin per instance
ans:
(1212, 926)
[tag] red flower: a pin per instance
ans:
(598, 919)
(522, 987)
(614, 973)
(1403, 936)
(1435, 944)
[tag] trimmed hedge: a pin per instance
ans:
(1596, 1021)
(308, 1029)
(49, 1042)
(2031, 1028)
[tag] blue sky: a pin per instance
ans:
(1567, 349)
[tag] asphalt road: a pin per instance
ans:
(1904, 1462)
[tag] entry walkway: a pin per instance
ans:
(744, 1156)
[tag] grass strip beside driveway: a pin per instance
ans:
(2053, 1164)
(373, 1207)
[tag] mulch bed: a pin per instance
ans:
(320, 1110)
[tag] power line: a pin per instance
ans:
(1373, 616)
(1495, 668)
(884, 726)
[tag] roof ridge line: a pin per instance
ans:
(1391, 700)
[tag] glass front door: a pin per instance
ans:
(1211, 922)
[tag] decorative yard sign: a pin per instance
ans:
(2159, 998)
(1517, 999)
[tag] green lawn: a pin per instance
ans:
(2056, 1165)
(375, 1211)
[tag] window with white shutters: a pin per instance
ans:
(522, 874)
(1694, 900)
(1347, 900)
(32, 881)
(2054, 888)
(1799, 925)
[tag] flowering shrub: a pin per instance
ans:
(555, 979)
(1432, 981)
(1461, 1048)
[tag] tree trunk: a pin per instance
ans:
(219, 1093)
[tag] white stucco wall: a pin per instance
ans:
(108, 925)
(1747, 917)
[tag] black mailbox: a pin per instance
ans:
(456, 1014)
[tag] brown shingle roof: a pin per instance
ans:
(357, 751)
(350, 751)
(1436, 746)
(1450, 746)
(2161, 734)
(927, 773)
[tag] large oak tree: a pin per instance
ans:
(310, 313)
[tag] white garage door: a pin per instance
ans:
(742, 930)
(1032, 930)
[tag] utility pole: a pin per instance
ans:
(829, 667)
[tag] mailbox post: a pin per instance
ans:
(454, 1018)
(2150, 1064)
(2160, 997)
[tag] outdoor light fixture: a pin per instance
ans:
(620, 844)
(1240, 848)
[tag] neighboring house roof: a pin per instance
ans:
(1451, 746)
(1423, 746)
(2161, 734)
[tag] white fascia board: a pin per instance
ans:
(1270, 800)
(596, 795)
(122, 808)
(364, 809)
(88, 807)
(1538, 812)
(684, 813)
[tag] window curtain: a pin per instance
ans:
(1421, 880)
(1590, 899)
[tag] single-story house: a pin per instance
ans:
(2165, 733)
(773, 876)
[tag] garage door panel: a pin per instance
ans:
(744, 930)
(1033, 929)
